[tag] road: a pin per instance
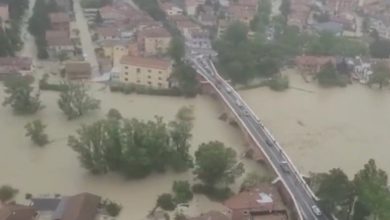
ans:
(86, 40)
(264, 140)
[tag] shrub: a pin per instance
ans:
(213, 193)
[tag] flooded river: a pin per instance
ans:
(320, 129)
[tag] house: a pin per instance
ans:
(146, 71)
(78, 70)
(170, 9)
(191, 7)
(212, 215)
(153, 41)
(83, 206)
(261, 202)
(312, 64)
(59, 42)
(17, 212)
(59, 21)
(14, 66)
(107, 33)
(4, 15)
(241, 13)
(19, 64)
(299, 14)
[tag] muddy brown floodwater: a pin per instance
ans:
(326, 128)
(319, 128)
(56, 169)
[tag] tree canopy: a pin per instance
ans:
(20, 95)
(132, 147)
(7, 193)
(76, 102)
(380, 48)
(367, 194)
(216, 164)
(380, 75)
(36, 131)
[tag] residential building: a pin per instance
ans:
(146, 71)
(83, 206)
(241, 13)
(207, 19)
(59, 21)
(59, 42)
(191, 7)
(77, 70)
(312, 64)
(16, 64)
(154, 41)
(299, 14)
(212, 215)
(169, 8)
(107, 33)
(17, 212)
(257, 203)
(199, 39)
(4, 15)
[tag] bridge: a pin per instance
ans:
(301, 197)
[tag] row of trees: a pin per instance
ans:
(367, 195)
(132, 147)
(38, 24)
(74, 99)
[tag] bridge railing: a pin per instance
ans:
(254, 139)
(296, 171)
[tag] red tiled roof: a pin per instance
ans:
(16, 62)
(212, 215)
(58, 38)
(155, 32)
(17, 212)
(81, 207)
(59, 17)
(305, 60)
(146, 62)
(108, 31)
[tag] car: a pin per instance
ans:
(285, 167)
(316, 210)
(229, 90)
(269, 143)
(246, 113)
(238, 103)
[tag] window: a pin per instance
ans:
(138, 70)
(126, 73)
(126, 79)
(126, 67)
(149, 83)
(149, 71)
(159, 72)
(149, 77)
(159, 84)
(138, 81)
(159, 78)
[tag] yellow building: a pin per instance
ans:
(154, 41)
(145, 71)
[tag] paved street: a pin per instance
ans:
(86, 40)
(29, 48)
(263, 139)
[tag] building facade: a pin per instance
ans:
(150, 72)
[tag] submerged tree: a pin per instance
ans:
(7, 193)
(216, 164)
(36, 131)
(75, 101)
(182, 191)
(20, 97)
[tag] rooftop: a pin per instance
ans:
(17, 212)
(154, 32)
(77, 66)
(4, 13)
(59, 17)
(45, 204)
(108, 31)
(212, 215)
(146, 62)
(58, 38)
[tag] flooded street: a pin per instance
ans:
(325, 128)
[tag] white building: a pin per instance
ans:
(382, 25)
